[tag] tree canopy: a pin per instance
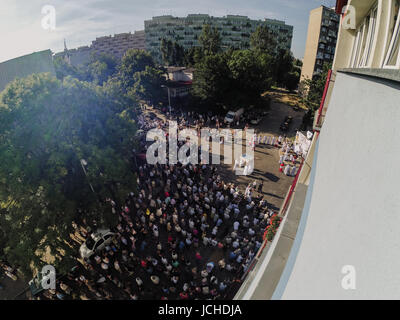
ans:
(210, 40)
(313, 90)
(264, 40)
(172, 53)
(65, 147)
(99, 68)
(140, 78)
(232, 79)
(239, 77)
(134, 61)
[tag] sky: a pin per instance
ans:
(81, 21)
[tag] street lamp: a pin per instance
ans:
(83, 164)
(169, 99)
(134, 156)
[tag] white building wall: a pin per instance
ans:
(354, 209)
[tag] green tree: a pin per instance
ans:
(313, 90)
(315, 87)
(283, 66)
(250, 76)
(210, 40)
(172, 53)
(64, 69)
(232, 79)
(47, 127)
(178, 55)
(133, 61)
(148, 85)
(101, 67)
(193, 55)
(264, 40)
(212, 81)
(166, 51)
(291, 80)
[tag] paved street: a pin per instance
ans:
(276, 184)
(12, 288)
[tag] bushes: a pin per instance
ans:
(273, 226)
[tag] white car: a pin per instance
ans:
(255, 121)
(230, 117)
(96, 242)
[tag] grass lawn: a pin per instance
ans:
(284, 96)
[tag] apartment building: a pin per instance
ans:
(179, 81)
(321, 41)
(115, 46)
(37, 62)
(235, 31)
(118, 44)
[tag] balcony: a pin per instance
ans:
(325, 23)
(332, 34)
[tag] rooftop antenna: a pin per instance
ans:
(67, 57)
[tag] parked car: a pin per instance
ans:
(230, 117)
(96, 242)
(233, 115)
(286, 122)
(255, 121)
(284, 127)
(35, 285)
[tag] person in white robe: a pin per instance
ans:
(264, 140)
(235, 164)
(247, 191)
(281, 159)
(293, 171)
(249, 169)
(245, 170)
(287, 170)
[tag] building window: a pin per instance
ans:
(356, 46)
(392, 52)
(366, 57)
(364, 40)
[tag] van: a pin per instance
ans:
(233, 115)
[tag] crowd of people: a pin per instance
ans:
(288, 159)
(183, 234)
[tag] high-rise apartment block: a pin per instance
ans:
(321, 41)
(118, 44)
(235, 31)
(115, 46)
(21, 67)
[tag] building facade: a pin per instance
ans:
(235, 31)
(321, 41)
(115, 46)
(37, 62)
(118, 44)
(179, 81)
